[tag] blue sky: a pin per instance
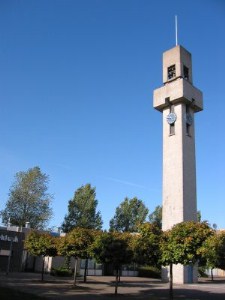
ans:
(76, 84)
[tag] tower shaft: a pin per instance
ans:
(178, 100)
(179, 174)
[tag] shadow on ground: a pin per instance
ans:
(103, 288)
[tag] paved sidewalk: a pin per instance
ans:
(102, 287)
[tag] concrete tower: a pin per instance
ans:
(178, 100)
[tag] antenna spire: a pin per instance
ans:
(176, 34)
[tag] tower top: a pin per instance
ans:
(177, 81)
(177, 63)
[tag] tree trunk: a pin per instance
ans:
(212, 274)
(75, 273)
(34, 263)
(42, 269)
(9, 258)
(85, 270)
(26, 261)
(67, 262)
(171, 281)
(117, 277)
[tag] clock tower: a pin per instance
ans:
(178, 100)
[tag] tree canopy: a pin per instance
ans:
(156, 216)
(146, 245)
(181, 245)
(41, 244)
(77, 244)
(112, 248)
(213, 251)
(129, 215)
(28, 200)
(82, 210)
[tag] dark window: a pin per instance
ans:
(172, 126)
(186, 73)
(171, 72)
(188, 123)
(172, 129)
(167, 100)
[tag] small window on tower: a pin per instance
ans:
(186, 73)
(172, 125)
(188, 120)
(171, 72)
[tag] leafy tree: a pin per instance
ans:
(40, 244)
(112, 248)
(129, 215)
(28, 200)
(199, 216)
(147, 245)
(181, 245)
(156, 216)
(63, 248)
(82, 210)
(213, 252)
(77, 244)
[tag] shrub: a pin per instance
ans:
(149, 271)
(61, 271)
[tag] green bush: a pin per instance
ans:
(149, 271)
(61, 271)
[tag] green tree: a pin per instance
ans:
(82, 210)
(112, 248)
(41, 244)
(129, 215)
(28, 200)
(213, 252)
(181, 245)
(63, 248)
(199, 216)
(77, 244)
(156, 216)
(147, 245)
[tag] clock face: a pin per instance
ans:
(189, 119)
(171, 118)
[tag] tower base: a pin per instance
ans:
(181, 274)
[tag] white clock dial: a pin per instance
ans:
(171, 118)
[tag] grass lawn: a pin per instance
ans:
(11, 294)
